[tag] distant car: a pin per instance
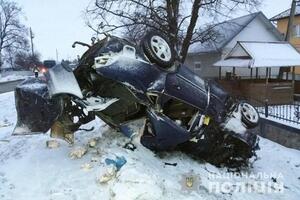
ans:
(120, 82)
(49, 63)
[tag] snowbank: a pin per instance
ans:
(12, 78)
(30, 170)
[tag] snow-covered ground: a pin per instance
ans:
(12, 77)
(30, 170)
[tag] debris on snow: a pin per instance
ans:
(93, 142)
(5, 123)
(129, 146)
(94, 159)
(109, 173)
(118, 162)
(77, 152)
(52, 144)
(95, 151)
(171, 164)
(86, 166)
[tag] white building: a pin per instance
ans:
(251, 28)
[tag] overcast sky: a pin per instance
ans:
(58, 23)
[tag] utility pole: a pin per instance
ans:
(288, 36)
(291, 21)
(31, 40)
(289, 33)
(56, 56)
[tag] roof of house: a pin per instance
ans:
(227, 30)
(254, 54)
(286, 14)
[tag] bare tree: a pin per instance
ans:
(24, 60)
(179, 20)
(12, 32)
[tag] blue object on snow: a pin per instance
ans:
(118, 162)
(126, 130)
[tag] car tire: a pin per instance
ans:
(250, 116)
(158, 50)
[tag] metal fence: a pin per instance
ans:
(289, 112)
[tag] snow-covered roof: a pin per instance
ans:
(285, 14)
(227, 30)
(261, 54)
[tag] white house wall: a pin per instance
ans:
(238, 51)
(255, 31)
(206, 61)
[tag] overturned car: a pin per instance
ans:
(119, 82)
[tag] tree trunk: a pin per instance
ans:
(190, 30)
(172, 16)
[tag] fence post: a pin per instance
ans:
(266, 108)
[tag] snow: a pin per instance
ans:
(285, 14)
(281, 121)
(12, 77)
(223, 32)
(235, 124)
(30, 170)
(32, 85)
(130, 58)
(158, 83)
(278, 54)
(99, 103)
(20, 130)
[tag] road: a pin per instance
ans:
(9, 86)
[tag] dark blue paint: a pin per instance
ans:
(167, 133)
(181, 84)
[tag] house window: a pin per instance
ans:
(198, 65)
(296, 31)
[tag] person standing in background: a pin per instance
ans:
(36, 71)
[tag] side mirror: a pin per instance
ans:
(80, 43)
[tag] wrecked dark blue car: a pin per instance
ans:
(120, 82)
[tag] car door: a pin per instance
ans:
(187, 87)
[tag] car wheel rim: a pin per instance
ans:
(250, 113)
(161, 48)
